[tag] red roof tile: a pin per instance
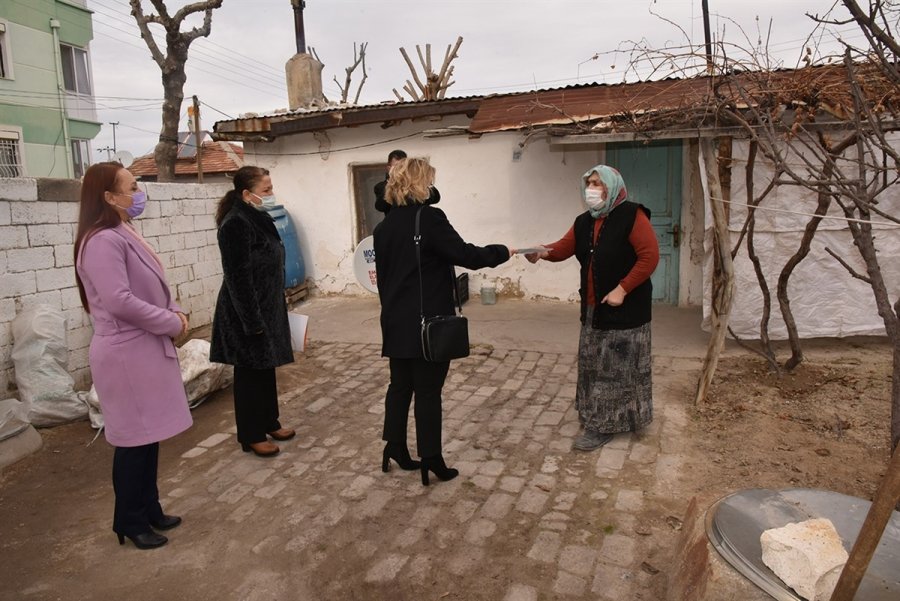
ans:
(218, 157)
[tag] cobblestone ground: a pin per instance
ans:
(527, 519)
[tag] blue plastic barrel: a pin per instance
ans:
(294, 271)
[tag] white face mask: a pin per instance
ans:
(267, 202)
(594, 198)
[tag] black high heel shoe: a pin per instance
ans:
(436, 464)
(166, 522)
(399, 453)
(144, 540)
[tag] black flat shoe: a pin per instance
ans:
(166, 522)
(399, 453)
(144, 540)
(438, 467)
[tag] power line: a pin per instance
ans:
(190, 62)
(276, 76)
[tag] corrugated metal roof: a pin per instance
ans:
(518, 110)
(584, 103)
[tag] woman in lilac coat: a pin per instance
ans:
(133, 360)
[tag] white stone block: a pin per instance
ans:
(18, 188)
(185, 257)
(195, 207)
(189, 289)
(68, 212)
(51, 234)
(207, 269)
(65, 255)
(204, 222)
(34, 212)
(70, 298)
(15, 236)
(52, 298)
(151, 211)
(182, 224)
(29, 259)
(17, 284)
(55, 278)
(808, 556)
(5, 216)
(7, 310)
(171, 242)
(153, 227)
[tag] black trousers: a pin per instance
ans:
(134, 482)
(425, 379)
(255, 403)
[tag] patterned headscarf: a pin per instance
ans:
(616, 192)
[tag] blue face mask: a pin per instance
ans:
(267, 202)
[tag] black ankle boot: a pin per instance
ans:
(436, 464)
(399, 453)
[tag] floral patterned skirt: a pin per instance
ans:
(614, 392)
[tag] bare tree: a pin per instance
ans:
(171, 64)
(435, 85)
(359, 59)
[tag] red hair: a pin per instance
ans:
(94, 213)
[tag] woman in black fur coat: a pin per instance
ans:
(250, 326)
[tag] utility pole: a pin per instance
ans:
(114, 124)
(198, 139)
(108, 149)
(707, 37)
(299, 5)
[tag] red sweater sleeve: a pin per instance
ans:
(563, 248)
(643, 240)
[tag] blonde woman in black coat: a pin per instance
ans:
(407, 192)
(250, 326)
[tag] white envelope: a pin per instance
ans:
(298, 324)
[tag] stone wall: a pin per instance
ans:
(38, 219)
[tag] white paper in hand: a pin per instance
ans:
(298, 324)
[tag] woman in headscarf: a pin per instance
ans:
(618, 251)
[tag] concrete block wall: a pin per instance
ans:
(38, 221)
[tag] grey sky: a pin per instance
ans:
(509, 45)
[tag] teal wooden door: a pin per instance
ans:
(652, 174)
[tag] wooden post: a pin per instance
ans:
(198, 138)
(873, 527)
(723, 270)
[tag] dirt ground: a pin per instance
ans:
(826, 425)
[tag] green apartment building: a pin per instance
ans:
(48, 116)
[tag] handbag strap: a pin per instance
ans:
(417, 238)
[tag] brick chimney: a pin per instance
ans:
(304, 73)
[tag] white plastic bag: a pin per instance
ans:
(41, 358)
(13, 418)
(201, 377)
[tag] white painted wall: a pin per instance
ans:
(488, 197)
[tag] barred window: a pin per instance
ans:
(10, 158)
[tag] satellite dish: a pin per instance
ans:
(124, 157)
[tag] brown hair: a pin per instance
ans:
(409, 182)
(94, 213)
(244, 179)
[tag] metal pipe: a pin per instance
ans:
(299, 5)
(60, 89)
(707, 36)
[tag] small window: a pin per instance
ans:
(364, 179)
(76, 76)
(5, 62)
(11, 154)
(81, 156)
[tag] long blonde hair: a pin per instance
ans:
(409, 182)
